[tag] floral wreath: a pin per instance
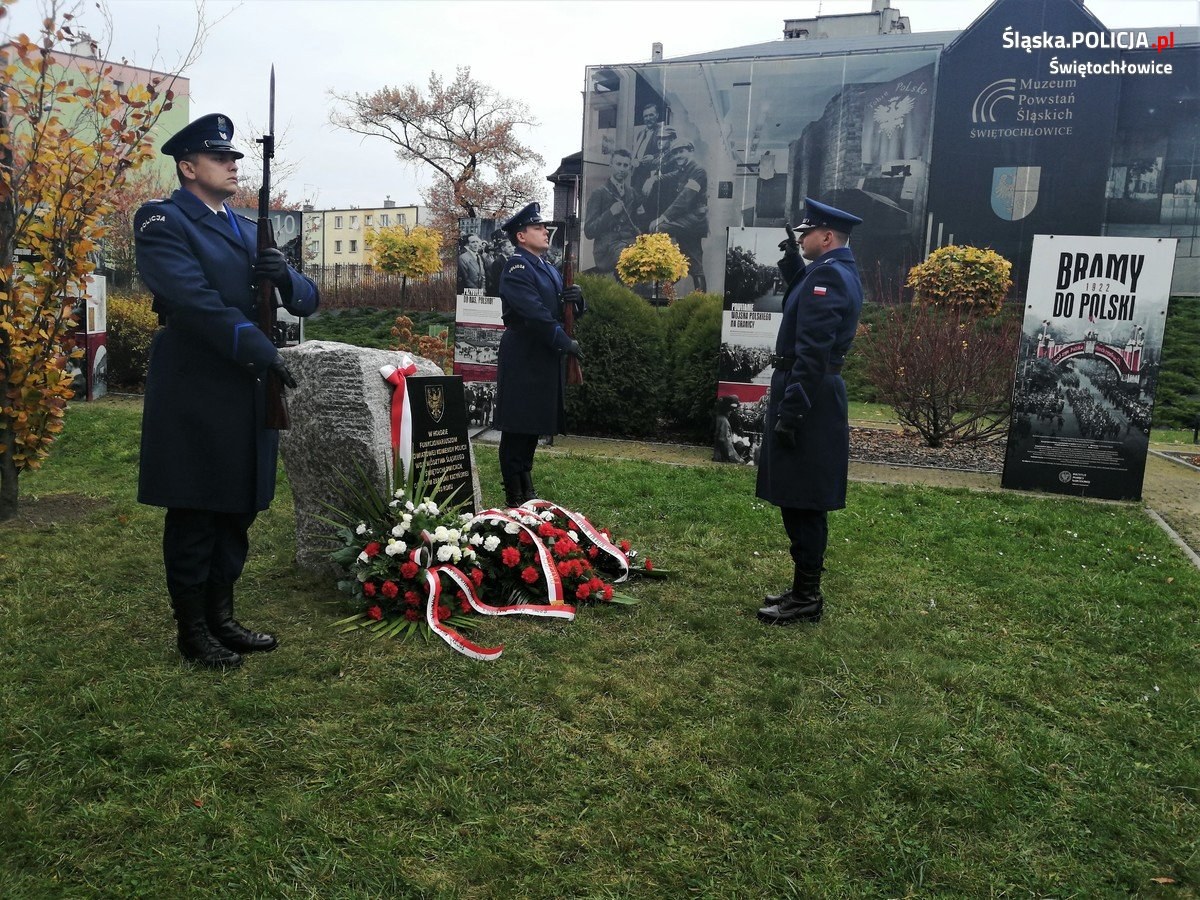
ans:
(416, 566)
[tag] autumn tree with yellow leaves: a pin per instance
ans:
(653, 259)
(69, 136)
(408, 252)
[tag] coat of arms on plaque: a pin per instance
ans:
(435, 402)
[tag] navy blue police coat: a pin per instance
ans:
(820, 316)
(204, 443)
(531, 369)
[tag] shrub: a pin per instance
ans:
(1177, 398)
(131, 327)
(946, 373)
(694, 358)
(962, 277)
(624, 367)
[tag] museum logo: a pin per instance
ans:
(1024, 108)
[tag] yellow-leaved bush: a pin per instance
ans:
(69, 134)
(970, 279)
(652, 259)
(131, 327)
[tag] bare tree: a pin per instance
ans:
(466, 132)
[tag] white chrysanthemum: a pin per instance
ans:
(547, 516)
(445, 552)
(476, 538)
(408, 504)
(361, 529)
(465, 518)
(393, 548)
(511, 527)
(491, 543)
(398, 530)
(441, 534)
(456, 555)
(406, 518)
(432, 507)
(399, 495)
(455, 535)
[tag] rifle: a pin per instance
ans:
(570, 238)
(277, 414)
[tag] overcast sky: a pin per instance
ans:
(531, 50)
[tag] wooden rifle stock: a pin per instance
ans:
(574, 369)
(268, 316)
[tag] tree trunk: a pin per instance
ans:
(403, 289)
(8, 476)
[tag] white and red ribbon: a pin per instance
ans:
(589, 530)
(445, 632)
(555, 606)
(401, 410)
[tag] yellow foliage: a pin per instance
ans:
(409, 252)
(652, 258)
(67, 140)
(960, 276)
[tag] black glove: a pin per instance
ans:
(573, 294)
(272, 265)
(279, 367)
(574, 350)
(785, 434)
(791, 264)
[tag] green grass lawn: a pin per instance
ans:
(1000, 702)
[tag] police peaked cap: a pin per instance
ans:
(822, 215)
(208, 134)
(529, 215)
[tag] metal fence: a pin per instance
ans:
(353, 286)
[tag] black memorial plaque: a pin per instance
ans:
(440, 447)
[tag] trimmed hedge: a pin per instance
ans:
(624, 363)
(695, 357)
(131, 327)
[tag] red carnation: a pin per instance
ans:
(608, 592)
(412, 598)
(565, 567)
(529, 575)
(477, 576)
(411, 614)
(583, 591)
(389, 589)
(372, 548)
(648, 565)
(546, 529)
(410, 569)
(595, 584)
(443, 612)
(593, 552)
(510, 556)
(465, 606)
(375, 613)
(525, 538)
(624, 546)
(369, 588)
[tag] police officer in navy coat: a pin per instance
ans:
(805, 455)
(206, 453)
(531, 370)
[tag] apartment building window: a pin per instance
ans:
(367, 221)
(354, 221)
(337, 246)
(354, 246)
(384, 220)
(314, 246)
(402, 219)
(337, 221)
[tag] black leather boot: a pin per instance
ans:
(196, 642)
(219, 613)
(803, 603)
(527, 490)
(514, 491)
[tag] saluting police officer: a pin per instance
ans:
(531, 370)
(805, 457)
(207, 455)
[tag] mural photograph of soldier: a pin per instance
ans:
(610, 215)
(645, 139)
(498, 250)
(682, 198)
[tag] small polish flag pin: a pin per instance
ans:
(820, 291)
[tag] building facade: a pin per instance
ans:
(337, 237)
